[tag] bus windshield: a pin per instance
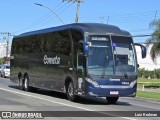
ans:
(110, 56)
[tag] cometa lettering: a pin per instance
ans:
(55, 60)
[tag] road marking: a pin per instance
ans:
(44, 99)
(82, 108)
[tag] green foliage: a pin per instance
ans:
(149, 74)
(155, 39)
(2, 61)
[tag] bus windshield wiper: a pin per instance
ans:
(125, 76)
(104, 66)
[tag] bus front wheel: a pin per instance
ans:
(112, 100)
(70, 91)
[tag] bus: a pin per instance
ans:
(79, 59)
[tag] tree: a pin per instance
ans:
(2, 61)
(155, 40)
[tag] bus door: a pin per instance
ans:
(81, 67)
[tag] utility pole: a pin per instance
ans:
(107, 19)
(77, 13)
(78, 8)
(7, 50)
(102, 20)
(155, 17)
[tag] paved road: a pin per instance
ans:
(150, 89)
(12, 99)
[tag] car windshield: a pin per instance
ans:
(113, 56)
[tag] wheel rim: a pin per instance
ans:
(26, 83)
(70, 90)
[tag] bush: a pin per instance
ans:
(2, 61)
(149, 74)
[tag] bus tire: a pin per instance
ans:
(0, 74)
(112, 100)
(70, 91)
(26, 83)
(21, 84)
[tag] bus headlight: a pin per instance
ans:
(92, 82)
(133, 83)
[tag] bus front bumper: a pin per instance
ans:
(111, 90)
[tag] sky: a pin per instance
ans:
(134, 16)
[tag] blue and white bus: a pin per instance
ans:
(81, 59)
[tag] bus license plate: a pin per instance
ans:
(114, 92)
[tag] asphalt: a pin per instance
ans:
(13, 99)
(149, 89)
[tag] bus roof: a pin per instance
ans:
(96, 28)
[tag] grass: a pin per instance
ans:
(151, 95)
(141, 80)
(148, 82)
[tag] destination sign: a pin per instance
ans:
(99, 38)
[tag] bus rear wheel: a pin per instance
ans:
(70, 91)
(112, 100)
(26, 83)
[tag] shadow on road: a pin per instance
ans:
(81, 100)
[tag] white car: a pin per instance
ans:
(0, 69)
(5, 70)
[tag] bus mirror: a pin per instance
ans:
(143, 50)
(85, 47)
